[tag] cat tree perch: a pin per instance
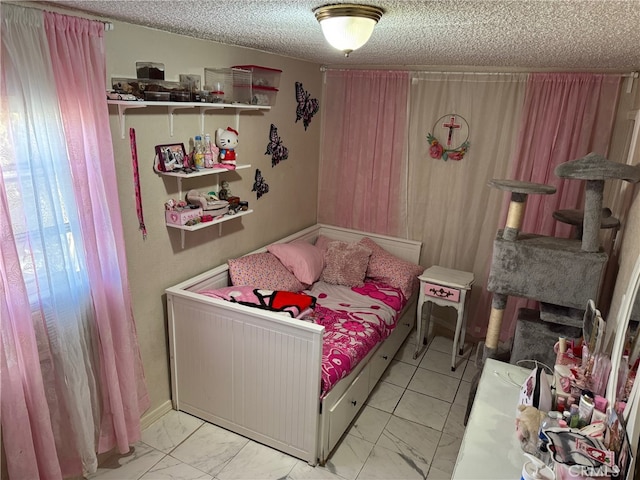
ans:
(555, 271)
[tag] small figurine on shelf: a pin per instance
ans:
(227, 141)
(224, 192)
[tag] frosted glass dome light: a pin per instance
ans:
(347, 27)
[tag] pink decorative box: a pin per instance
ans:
(180, 217)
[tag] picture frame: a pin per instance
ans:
(170, 157)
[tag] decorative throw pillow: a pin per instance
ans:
(386, 267)
(262, 270)
(345, 264)
(304, 260)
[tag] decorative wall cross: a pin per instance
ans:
(451, 125)
(450, 150)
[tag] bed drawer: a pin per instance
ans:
(385, 354)
(400, 333)
(345, 409)
(379, 363)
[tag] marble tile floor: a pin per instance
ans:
(410, 428)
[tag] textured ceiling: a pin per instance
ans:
(528, 34)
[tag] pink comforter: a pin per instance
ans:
(355, 320)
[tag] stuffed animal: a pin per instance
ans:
(227, 141)
(528, 423)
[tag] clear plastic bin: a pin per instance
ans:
(219, 80)
(263, 95)
(232, 84)
(263, 76)
(150, 70)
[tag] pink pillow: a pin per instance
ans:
(262, 270)
(302, 259)
(387, 268)
(345, 264)
(322, 243)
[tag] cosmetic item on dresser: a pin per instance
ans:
(535, 469)
(552, 419)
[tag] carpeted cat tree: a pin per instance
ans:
(561, 274)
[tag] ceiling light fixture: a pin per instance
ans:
(347, 26)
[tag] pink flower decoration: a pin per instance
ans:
(456, 155)
(436, 150)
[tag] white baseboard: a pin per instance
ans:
(151, 416)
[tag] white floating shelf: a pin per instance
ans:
(124, 105)
(216, 221)
(179, 176)
(201, 225)
(203, 172)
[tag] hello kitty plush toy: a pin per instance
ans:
(227, 140)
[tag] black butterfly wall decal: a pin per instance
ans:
(307, 107)
(259, 186)
(275, 148)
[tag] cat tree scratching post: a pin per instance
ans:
(557, 272)
(519, 192)
(595, 169)
(576, 219)
(562, 274)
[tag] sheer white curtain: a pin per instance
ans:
(451, 208)
(70, 365)
(46, 230)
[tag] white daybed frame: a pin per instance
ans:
(257, 373)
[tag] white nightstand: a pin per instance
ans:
(447, 288)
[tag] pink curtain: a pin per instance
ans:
(78, 58)
(363, 164)
(72, 381)
(565, 117)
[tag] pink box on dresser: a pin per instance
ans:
(181, 217)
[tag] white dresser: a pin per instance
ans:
(490, 449)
